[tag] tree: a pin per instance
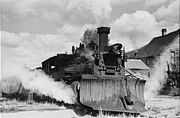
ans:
(172, 84)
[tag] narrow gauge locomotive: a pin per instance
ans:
(100, 80)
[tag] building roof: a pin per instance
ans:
(132, 54)
(136, 64)
(156, 46)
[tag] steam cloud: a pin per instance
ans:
(36, 80)
(155, 82)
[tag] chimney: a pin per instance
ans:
(164, 31)
(103, 37)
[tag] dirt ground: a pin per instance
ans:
(14, 106)
(157, 107)
(163, 106)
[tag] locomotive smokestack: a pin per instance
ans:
(103, 37)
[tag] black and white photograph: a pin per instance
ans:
(89, 59)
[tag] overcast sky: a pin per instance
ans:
(34, 30)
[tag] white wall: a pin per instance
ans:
(166, 56)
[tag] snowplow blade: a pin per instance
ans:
(112, 93)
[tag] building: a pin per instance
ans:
(161, 51)
(138, 67)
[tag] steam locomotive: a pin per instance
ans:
(99, 78)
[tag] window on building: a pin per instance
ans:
(173, 56)
(177, 58)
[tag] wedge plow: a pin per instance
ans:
(112, 94)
